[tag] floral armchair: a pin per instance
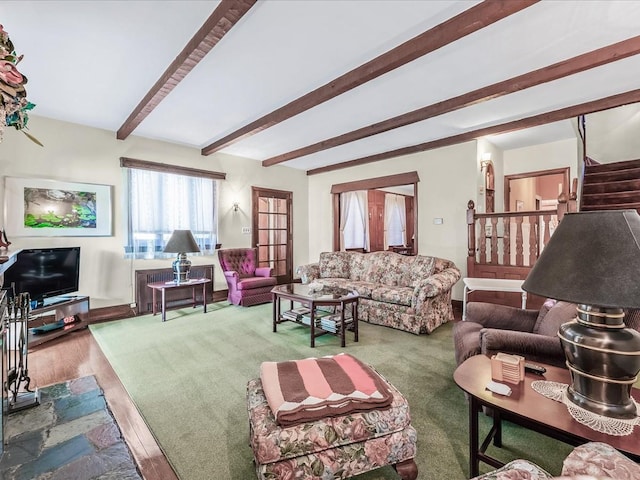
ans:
(248, 284)
(591, 461)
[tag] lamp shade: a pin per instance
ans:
(181, 241)
(592, 258)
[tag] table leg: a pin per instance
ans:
(276, 310)
(155, 302)
(342, 329)
(474, 462)
(354, 315)
(465, 294)
(204, 298)
(497, 426)
(193, 297)
(313, 326)
(164, 305)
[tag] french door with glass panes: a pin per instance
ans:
(272, 231)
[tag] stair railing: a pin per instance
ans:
(511, 239)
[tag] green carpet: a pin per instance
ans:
(188, 378)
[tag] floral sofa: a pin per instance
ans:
(591, 461)
(411, 293)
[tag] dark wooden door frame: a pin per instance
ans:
(564, 171)
(257, 192)
(408, 178)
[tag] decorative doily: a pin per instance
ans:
(611, 426)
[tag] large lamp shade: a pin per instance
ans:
(593, 260)
(181, 242)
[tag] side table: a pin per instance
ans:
(492, 285)
(164, 286)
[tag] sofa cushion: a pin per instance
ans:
(334, 264)
(256, 282)
(395, 272)
(549, 323)
(358, 266)
(395, 295)
(421, 268)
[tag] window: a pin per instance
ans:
(395, 220)
(353, 223)
(160, 202)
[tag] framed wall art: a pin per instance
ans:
(40, 207)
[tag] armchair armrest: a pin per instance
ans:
(231, 274)
(491, 315)
(264, 272)
(308, 273)
(533, 347)
(599, 460)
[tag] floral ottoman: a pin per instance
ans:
(334, 447)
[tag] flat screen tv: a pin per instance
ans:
(44, 272)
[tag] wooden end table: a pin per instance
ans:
(164, 286)
(529, 409)
(330, 297)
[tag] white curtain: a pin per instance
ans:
(395, 220)
(354, 220)
(162, 202)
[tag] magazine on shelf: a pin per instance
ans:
(295, 313)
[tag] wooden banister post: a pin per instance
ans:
(471, 238)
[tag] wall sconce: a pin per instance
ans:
(486, 160)
(236, 206)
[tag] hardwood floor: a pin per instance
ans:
(76, 355)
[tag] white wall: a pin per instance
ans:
(82, 154)
(448, 179)
(543, 157)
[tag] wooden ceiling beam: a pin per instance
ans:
(463, 24)
(223, 18)
(565, 68)
(606, 103)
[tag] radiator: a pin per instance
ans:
(175, 298)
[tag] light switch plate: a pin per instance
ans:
(438, 221)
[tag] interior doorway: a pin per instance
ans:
(524, 192)
(272, 231)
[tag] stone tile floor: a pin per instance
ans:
(70, 435)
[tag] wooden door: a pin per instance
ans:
(376, 220)
(272, 231)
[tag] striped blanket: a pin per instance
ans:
(300, 391)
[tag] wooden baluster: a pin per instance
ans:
(546, 222)
(506, 241)
(482, 239)
(519, 247)
(533, 239)
(494, 240)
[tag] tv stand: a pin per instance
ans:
(62, 307)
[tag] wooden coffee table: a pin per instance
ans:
(328, 297)
(527, 408)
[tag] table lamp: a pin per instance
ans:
(593, 260)
(181, 242)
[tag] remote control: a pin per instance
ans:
(533, 368)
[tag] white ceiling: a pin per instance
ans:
(92, 62)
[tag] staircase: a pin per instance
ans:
(611, 186)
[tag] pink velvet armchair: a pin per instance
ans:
(248, 284)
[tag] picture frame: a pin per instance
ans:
(36, 207)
